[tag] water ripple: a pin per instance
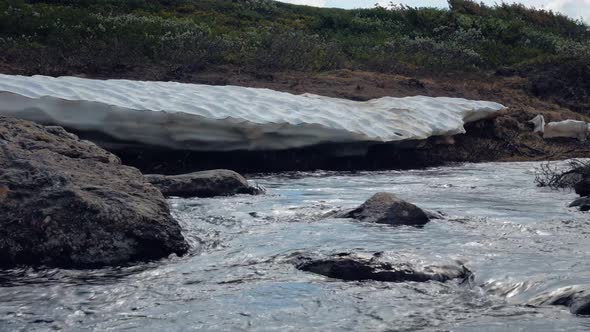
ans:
(520, 240)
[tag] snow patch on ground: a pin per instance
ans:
(203, 117)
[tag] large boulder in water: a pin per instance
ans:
(386, 208)
(219, 182)
(352, 267)
(67, 202)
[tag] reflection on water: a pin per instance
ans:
(518, 239)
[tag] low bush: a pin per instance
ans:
(556, 176)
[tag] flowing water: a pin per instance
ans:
(519, 240)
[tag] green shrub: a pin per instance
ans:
(293, 50)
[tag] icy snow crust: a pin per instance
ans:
(222, 118)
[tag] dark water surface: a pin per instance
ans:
(519, 240)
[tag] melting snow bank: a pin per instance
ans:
(197, 117)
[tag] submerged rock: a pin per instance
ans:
(219, 182)
(577, 298)
(386, 208)
(353, 267)
(67, 202)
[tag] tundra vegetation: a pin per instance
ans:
(251, 34)
(176, 38)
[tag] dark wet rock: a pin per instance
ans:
(580, 305)
(386, 208)
(582, 203)
(583, 187)
(577, 298)
(219, 182)
(67, 202)
(351, 267)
